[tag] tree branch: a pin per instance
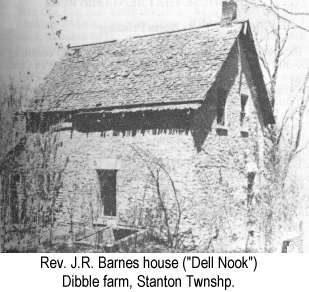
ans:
(276, 10)
(294, 13)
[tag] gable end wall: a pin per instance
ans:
(209, 172)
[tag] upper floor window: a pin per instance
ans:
(250, 181)
(107, 181)
(243, 102)
(221, 100)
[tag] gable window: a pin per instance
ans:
(221, 99)
(243, 102)
(107, 181)
(250, 179)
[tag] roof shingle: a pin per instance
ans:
(170, 67)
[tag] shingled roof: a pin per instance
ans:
(172, 67)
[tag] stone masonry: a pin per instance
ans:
(209, 170)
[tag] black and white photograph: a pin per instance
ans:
(154, 126)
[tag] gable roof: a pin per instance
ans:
(163, 68)
(177, 67)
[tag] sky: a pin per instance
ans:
(28, 52)
(26, 47)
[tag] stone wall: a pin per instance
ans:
(208, 166)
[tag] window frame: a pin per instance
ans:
(220, 106)
(243, 102)
(108, 192)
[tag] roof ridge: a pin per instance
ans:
(176, 30)
(91, 44)
(152, 34)
(124, 76)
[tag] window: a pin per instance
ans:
(243, 102)
(107, 180)
(250, 178)
(221, 99)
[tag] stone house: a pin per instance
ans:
(162, 131)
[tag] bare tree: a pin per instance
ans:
(272, 61)
(31, 170)
(172, 212)
(11, 133)
(283, 140)
(44, 168)
(11, 124)
(282, 13)
(55, 22)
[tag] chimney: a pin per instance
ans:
(229, 12)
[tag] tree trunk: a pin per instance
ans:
(251, 245)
